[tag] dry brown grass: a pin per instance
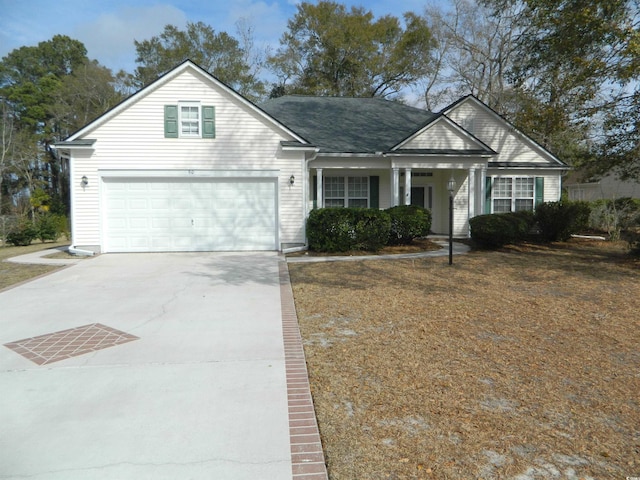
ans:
(522, 363)
(14, 273)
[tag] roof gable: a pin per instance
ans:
(347, 124)
(443, 135)
(206, 77)
(512, 145)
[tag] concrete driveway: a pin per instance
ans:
(169, 366)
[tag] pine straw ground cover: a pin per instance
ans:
(521, 364)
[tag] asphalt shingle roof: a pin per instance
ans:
(348, 125)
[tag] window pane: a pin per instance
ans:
(524, 187)
(358, 187)
(358, 203)
(334, 187)
(501, 206)
(524, 204)
(502, 187)
(190, 120)
(333, 202)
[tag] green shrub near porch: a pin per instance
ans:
(370, 229)
(408, 222)
(498, 229)
(344, 229)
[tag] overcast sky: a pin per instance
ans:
(108, 28)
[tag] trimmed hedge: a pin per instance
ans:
(557, 221)
(408, 222)
(344, 229)
(499, 229)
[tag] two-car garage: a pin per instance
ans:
(189, 213)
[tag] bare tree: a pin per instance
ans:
(473, 54)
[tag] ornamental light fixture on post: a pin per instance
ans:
(451, 188)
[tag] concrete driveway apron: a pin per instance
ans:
(169, 366)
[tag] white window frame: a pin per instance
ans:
(346, 192)
(513, 197)
(182, 121)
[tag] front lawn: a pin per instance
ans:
(14, 273)
(522, 363)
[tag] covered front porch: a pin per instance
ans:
(406, 182)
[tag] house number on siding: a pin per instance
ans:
(191, 172)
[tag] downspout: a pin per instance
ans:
(78, 251)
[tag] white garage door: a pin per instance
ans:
(184, 215)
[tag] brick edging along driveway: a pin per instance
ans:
(306, 448)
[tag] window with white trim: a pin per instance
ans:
(189, 114)
(189, 120)
(512, 194)
(346, 192)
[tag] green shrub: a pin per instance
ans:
(408, 222)
(557, 221)
(344, 229)
(22, 234)
(498, 229)
(51, 226)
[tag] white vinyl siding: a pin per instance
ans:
(134, 139)
(497, 134)
(441, 136)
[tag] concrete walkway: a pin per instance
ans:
(39, 257)
(156, 366)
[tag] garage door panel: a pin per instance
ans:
(190, 215)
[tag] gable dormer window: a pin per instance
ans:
(189, 114)
(189, 120)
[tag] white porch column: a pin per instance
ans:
(320, 190)
(472, 192)
(407, 186)
(395, 187)
(483, 188)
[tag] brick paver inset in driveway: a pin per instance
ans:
(53, 347)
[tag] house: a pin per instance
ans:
(608, 187)
(188, 164)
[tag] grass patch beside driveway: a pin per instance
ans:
(14, 273)
(522, 363)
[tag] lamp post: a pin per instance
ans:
(451, 187)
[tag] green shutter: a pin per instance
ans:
(315, 191)
(374, 192)
(539, 190)
(487, 195)
(208, 122)
(171, 121)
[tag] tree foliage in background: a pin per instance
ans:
(564, 71)
(47, 92)
(218, 53)
(329, 50)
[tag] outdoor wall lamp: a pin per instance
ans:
(451, 188)
(292, 180)
(84, 181)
